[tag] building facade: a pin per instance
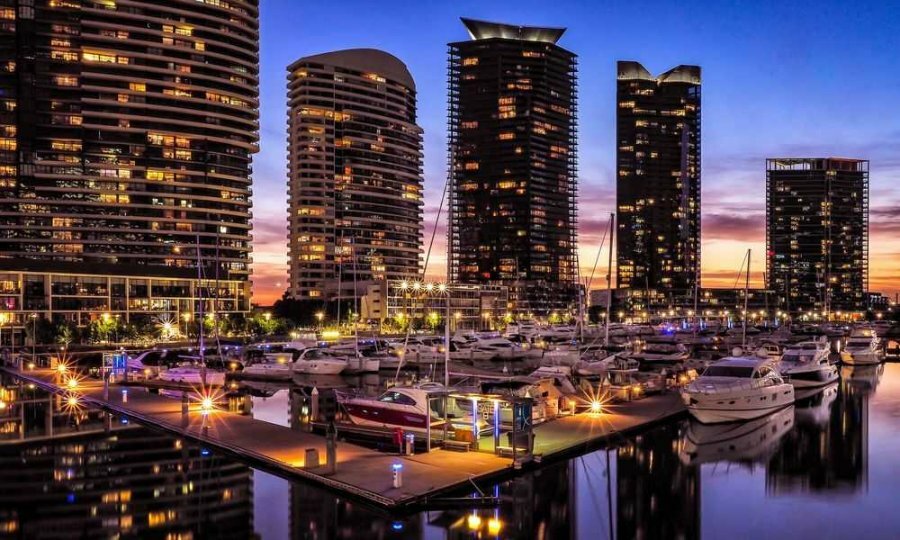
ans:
(354, 173)
(126, 135)
(658, 180)
(817, 234)
(512, 152)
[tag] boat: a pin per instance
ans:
(661, 350)
(318, 361)
(275, 366)
(863, 348)
(360, 363)
(409, 408)
(807, 364)
(737, 388)
(190, 373)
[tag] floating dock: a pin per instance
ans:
(358, 472)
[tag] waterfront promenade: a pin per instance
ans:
(359, 472)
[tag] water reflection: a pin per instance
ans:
(132, 482)
(96, 476)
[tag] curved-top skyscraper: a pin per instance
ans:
(354, 173)
(127, 133)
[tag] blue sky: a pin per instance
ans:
(779, 78)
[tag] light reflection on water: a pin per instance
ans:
(827, 467)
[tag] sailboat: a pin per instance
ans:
(196, 371)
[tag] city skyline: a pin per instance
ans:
(766, 93)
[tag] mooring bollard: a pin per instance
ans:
(397, 469)
(124, 395)
(410, 444)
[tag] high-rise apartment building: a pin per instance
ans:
(817, 234)
(354, 173)
(126, 135)
(512, 152)
(658, 180)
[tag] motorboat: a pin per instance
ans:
(863, 348)
(190, 373)
(807, 364)
(737, 388)
(274, 366)
(751, 441)
(498, 348)
(406, 407)
(318, 361)
(662, 350)
(360, 363)
(769, 350)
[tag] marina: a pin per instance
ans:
(357, 471)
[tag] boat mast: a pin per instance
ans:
(612, 223)
(746, 295)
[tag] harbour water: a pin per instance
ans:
(825, 468)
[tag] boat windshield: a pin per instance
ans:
(744, 372)
(396, 397)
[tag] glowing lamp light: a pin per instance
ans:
(473, 521)
(494, 526)
(2, 405)
(61, 368)
(596, 407)
(30, 366)
(206, 404)
(72, 383)
(72, 401)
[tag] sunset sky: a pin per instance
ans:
(809, 79)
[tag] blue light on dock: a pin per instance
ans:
(205, 452)
(397, 526)
(70, 498)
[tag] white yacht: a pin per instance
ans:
(863, 348)
(737, 388)
(274, 366)
(193, 374)
(359, 363)
(806, 364)
(319, 361)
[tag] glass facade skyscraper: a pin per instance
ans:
(513, 147)
(658, 180)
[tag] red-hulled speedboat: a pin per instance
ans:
(404, 407)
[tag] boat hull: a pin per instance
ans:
(267, 374)
(718, 407)
(861, 358)
(213, 378)
(319, 367)
(365, 414)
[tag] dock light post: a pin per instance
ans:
(397, 470)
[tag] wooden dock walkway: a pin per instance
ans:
(360, 472)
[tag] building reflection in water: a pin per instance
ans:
(112, 479)
(658, 495)
(828, 452)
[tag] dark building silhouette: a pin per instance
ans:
(817, 234)
(658, 181)
(126, 136)
(355, 173)
(512, 142)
